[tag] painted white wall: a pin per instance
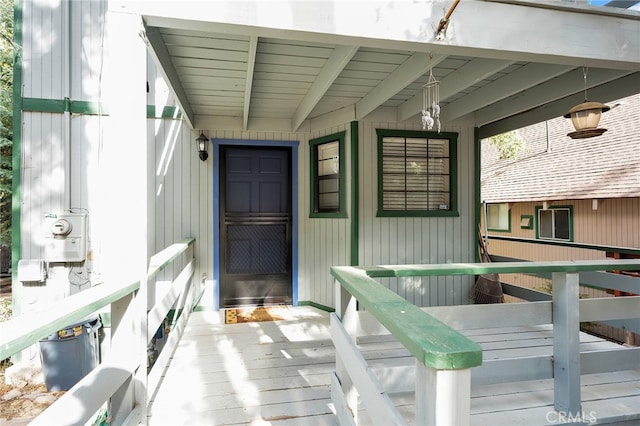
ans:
(180, 192)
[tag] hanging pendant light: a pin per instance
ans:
(586, 116)
(431, 103)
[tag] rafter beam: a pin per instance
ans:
(607, 92)
(557, 88)
(521, 79)
(338, 59)
(408, 72)
(161, 56)
(458, 80)
(251, 63)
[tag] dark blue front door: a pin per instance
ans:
(255, 218)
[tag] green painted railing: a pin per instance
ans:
(444, 357)
(384, 271)
(430, 341)
(135, 324)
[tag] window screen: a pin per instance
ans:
(498, 217)
(555, 223)
(416, 172)
(327, 176)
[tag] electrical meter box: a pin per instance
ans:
(65, 237)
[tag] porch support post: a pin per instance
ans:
(566, 342)
(123, 218)
(443, 397)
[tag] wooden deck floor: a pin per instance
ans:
(249, 373)
(279, 373)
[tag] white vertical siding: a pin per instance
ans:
(399, 240)
(55, 67)
(184, 207)
(42, 50)
(323, 242)
(181, 199)
(45, 48)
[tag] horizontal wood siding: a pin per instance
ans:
(614, 223)
(398, 240)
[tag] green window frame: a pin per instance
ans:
(526, 221)
(328, 193)
(554, 223)
(499, 217)
(417, 173)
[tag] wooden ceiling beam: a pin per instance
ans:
(456, 81)
(521, 79)
(161, 56)
(338, 59)
(565, 85)
(607, 92)
(251, 62)
(408, 72)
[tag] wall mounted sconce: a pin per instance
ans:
(201, 145)
(586, 116)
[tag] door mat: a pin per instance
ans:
(256, 314)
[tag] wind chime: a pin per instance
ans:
(431, 103)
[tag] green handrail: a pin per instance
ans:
(430, 341)
(500, 268)
(21, 332)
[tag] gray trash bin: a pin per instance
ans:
(70, 354)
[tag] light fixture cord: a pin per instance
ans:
(585, 70)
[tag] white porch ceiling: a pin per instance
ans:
(287, 65)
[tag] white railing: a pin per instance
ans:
(442, 364)
(442, 393)
(120, 383)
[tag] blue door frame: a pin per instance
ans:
(217, 143)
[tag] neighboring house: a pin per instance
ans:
(575, 190)
(311, 115)
(581, 193)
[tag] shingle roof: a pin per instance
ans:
(606, 166)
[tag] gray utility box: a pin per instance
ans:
(70, 354)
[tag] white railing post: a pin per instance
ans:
(566, 342)
(125, 194)
(443, 397)
(345, 308)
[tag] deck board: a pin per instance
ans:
(249, 373)
(280, 372)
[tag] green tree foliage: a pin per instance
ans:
(509, 144)
(6, 118)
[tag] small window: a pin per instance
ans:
(555, 223)
(499, 217)
(416, 173)
(327, 176)
(526, 222)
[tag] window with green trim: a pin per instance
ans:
(499, 217)
(555, 223)
(417, 173)
(327, 176)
